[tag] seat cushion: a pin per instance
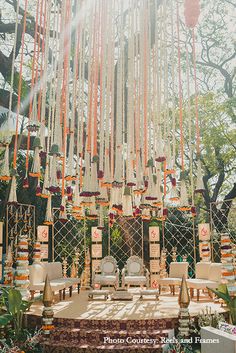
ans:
(71, 280)
(104, 279)
(135, 279)
(60, 281)
(40, 286)
(201, 283)
(202, 270)
(169, 281)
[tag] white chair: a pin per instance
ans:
(55, 275)
(177, 271)
(135, 273)
(207, 275)
(106, 274)
(37, 276)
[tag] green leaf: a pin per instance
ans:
(25, 305)
(5, 319)
(221, 295)
(14, 301)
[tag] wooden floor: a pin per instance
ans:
(79, 307)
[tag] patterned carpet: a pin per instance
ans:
(99, 336)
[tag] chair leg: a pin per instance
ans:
(198, 294)
(60, 295)
(32, 294)
(70, 291)
(78, 287)
(191, 293)
(64, 294)
(173, 290)
(159, 289)
(170, 289)
(210, 294)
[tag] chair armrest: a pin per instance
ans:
(117, 277)
(147, 277)
(97, 269)
(123, 277)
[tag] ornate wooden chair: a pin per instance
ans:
(106, 274)
(135, 273)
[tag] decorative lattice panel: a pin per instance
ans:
(223, 220)
(68, 238)
(180, 233)
(20, 219)
(126, 239)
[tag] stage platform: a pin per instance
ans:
(80, 308)
(100, 325)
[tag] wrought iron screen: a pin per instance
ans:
(126, 239)
(68, 238)
(223, 220)
(179, 231)
(20, 219)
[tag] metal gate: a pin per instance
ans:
(20, 219)
(126, 239)
(68, 238)
(179, 234)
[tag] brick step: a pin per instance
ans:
(117, 325)
(98, 335)
(68, 346)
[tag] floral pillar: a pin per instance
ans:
(21, 279)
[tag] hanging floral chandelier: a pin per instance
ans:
(102, 113)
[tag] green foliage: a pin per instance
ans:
(15, 308)
(223, 293)
(116, 236)
(28, 342)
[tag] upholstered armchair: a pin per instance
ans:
(106, 274)
(177, 271)
(135, 273)
(208, 275)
